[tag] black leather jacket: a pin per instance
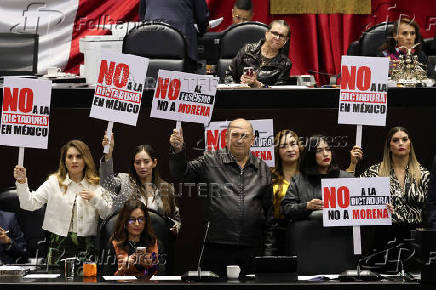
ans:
(275, 72)
(240, 200)
(303, 189)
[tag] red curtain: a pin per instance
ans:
(317, 40)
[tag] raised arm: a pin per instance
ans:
(179, 167)
(108, 180)
(35, 200)
(356, 154)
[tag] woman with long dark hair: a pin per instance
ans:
(304, 194)
(287, 152)
(74, 199)
(142, 181)
(134, 242)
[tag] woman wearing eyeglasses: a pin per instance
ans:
(134, 243)
(269, 65)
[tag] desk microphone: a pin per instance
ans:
(333, 77)
(201, 275)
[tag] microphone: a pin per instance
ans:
(321, 73)
(333, 77)
(201, 275)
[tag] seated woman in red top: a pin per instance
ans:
(134, 242)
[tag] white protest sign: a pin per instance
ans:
(263, 147)
(184, 97)
(25, 112)
(356, 201)
(363, 95)
(120, 83)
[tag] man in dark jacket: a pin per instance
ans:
(181, 14)
(12, 243)
(239, 194)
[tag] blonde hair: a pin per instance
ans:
(386, 164)
(90, 173)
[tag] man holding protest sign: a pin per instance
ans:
(240, 198)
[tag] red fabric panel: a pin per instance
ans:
(317, 41)
(94, 12)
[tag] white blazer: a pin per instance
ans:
(60, 204)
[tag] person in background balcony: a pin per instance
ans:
(242, 11)
(182, 15)
(404, 35)
(270, 65)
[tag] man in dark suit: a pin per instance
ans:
(182, 14)
(12, 243)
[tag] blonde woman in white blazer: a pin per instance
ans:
(74, 199)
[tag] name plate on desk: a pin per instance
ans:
(13, 271)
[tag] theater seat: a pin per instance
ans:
(371, 40)
(430, 46)
(353, 48)
(234, 38)
(320, 250)
(161, 230)
(30, 221)
(161, 43)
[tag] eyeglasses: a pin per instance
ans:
(240, 18)
(278, 35)
(132, 221)
(236, 135)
